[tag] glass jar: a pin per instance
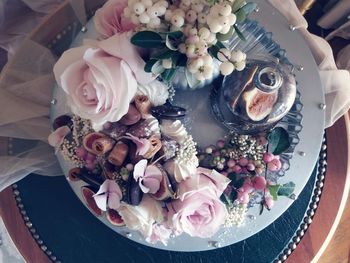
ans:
(255, 99)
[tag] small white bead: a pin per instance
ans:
(224, 54)
(191, 16)
(240, 65)
(215, 26)
(147, 3)
(225, 10)
(144, 18)
(204, 33)
(225, 29)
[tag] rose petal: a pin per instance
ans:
(142, 144)
(56, 138)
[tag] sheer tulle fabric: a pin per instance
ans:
(336, 82)
(26, 85)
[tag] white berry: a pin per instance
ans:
(191, 16)
(240, 65)
(237, 56)
(198, 7)
(167, 63)
(147, 3)
(226, 68)
(168, 15)
(225, 29)
(224, 54)
(139, 8)
(144, 18)
(215, 26)
(177, 20)
(202, 18)
(154, 22)
(127, 12)
(204, 33)
(134, 19)
(225, 10)
(231, 19)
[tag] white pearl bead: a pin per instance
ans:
(226, 68)
(139, 8)
(177, 20)
(167, 63)
(144, 18)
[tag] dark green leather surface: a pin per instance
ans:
(74, 235)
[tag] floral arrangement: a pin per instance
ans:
(142, 167)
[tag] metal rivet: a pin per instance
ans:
(53, 258)
(59, 36)
(20, 205)
(308, 220)
(14, 186)
(83, 29)
(292, 27)
(18, 199)
(310, 212)
(292, 245)
(316, 199)
(23, 212)
(26, 218)
(319, 184)
(293, 197)
(214, 244)
(43, 247)
(257, 9)
(301, 153)
(32, 230)
(58, 261)
(29, 224)
(36, 236)
(40, 242)
(16, 192)
(53, 101)
(10, 152)
(48, 252)
(296, 239)
(128, 235)
(251, 217)
(300, 67)
(322, 106)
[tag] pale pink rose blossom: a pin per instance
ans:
(109, 195)
(56, 137)
(143, 216)
(160, 233)
(101, 78)
(110, 20)
(199, 211)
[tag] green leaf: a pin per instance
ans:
(224, 199)
(147, 39)
(249, 7)
(191, 79)
(157, 68)
(237, 5)
(273, 189)
(232, 176)
(182, 61)
(168, 74)
(169, 42)
(175, 57)
(239, 33)
(239, 183)
(163, 54)
(278, 141)
(149, 65)
(233, 196)
(286, 189)
(241, 16)
(175, 34)
(227, 36)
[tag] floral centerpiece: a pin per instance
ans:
(142, 167)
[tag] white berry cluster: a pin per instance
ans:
(231, 60)
(146, 12)
(220, 18)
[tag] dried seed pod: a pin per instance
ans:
(156, 145)
(89, 140)
(118, 154)
(102, 145)
(74, 174)
(143, 104)
(114, 218)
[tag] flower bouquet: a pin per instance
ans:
(125, 140)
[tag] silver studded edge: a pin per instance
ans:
(309, 214)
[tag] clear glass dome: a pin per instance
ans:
(255, 99)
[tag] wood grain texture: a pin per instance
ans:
(18, 231)
(331, 205)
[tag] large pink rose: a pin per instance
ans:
(110, 20)
(100, 78)
(199, 211)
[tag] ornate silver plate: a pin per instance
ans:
(305, 150)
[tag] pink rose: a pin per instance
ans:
(100, 78)
(110, 20)
(160, 233)
(142, 217)
(199, 211)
